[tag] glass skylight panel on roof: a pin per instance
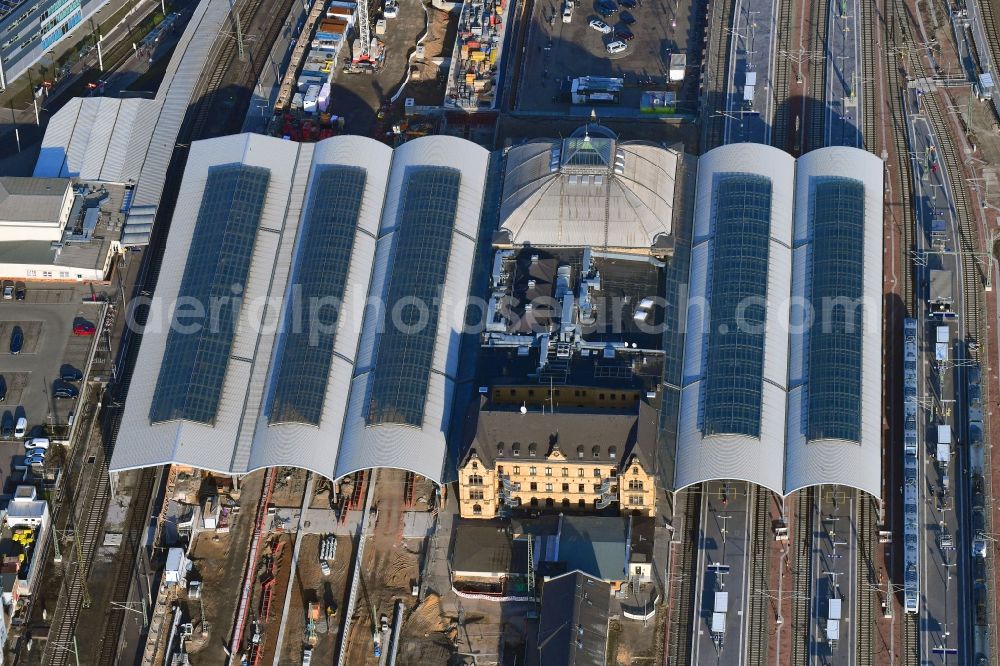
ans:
(838, 216)
(320, 273)
(194, 362)
(420, 262)
(587, 152)
(741, 216)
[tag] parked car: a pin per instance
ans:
(70, 374)
(7, 425)
(34, 460)
(16, 340)
(391, 9)
(600, 26)
(607, 9)
(324, 567)
(20, 291)
(65, 391)
(21, 428)
(83, 328)
(36, 443)
(36, 452)
(3, 388)
(627, 18)
(8, 290)
(624, 34)
(616, 46)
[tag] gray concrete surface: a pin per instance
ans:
(751, 50)
(555, 51)
(834, 569)
(844, 75)
(357, 97)
(723, 542)
(49, 343)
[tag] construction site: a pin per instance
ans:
(266, 567)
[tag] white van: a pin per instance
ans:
(21, 428)
(36, 443)
(567, 11)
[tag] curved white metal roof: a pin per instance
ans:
(421, 450)
(243, 438)
(781, 458)
(703, 457)
(836, 461)
(622, 198)
(280, 443)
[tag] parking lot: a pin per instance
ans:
(556, 51)
(46, 319)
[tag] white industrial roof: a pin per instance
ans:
(781, 458)
(735, 456)
(588, 190)
(97, 138)
(243, 437)
(837, 461)
(133, 140)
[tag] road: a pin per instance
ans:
(944, 605)
(751, 45)
(844, 75)
(834, 569)
(722, 567)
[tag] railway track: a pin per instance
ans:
(802, 537)
(973, 279)
(896, 33)
(815, 106)
(759, 627)
(715, 82)
(782, 136)
(224, 53)
(122, 583)
(911, 642)
(870, 101)
(58, 648)
(867, 581)
(682, 606)
(72, 598)
(991, 26)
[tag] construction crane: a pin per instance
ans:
(365, 27)
(367, 51)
